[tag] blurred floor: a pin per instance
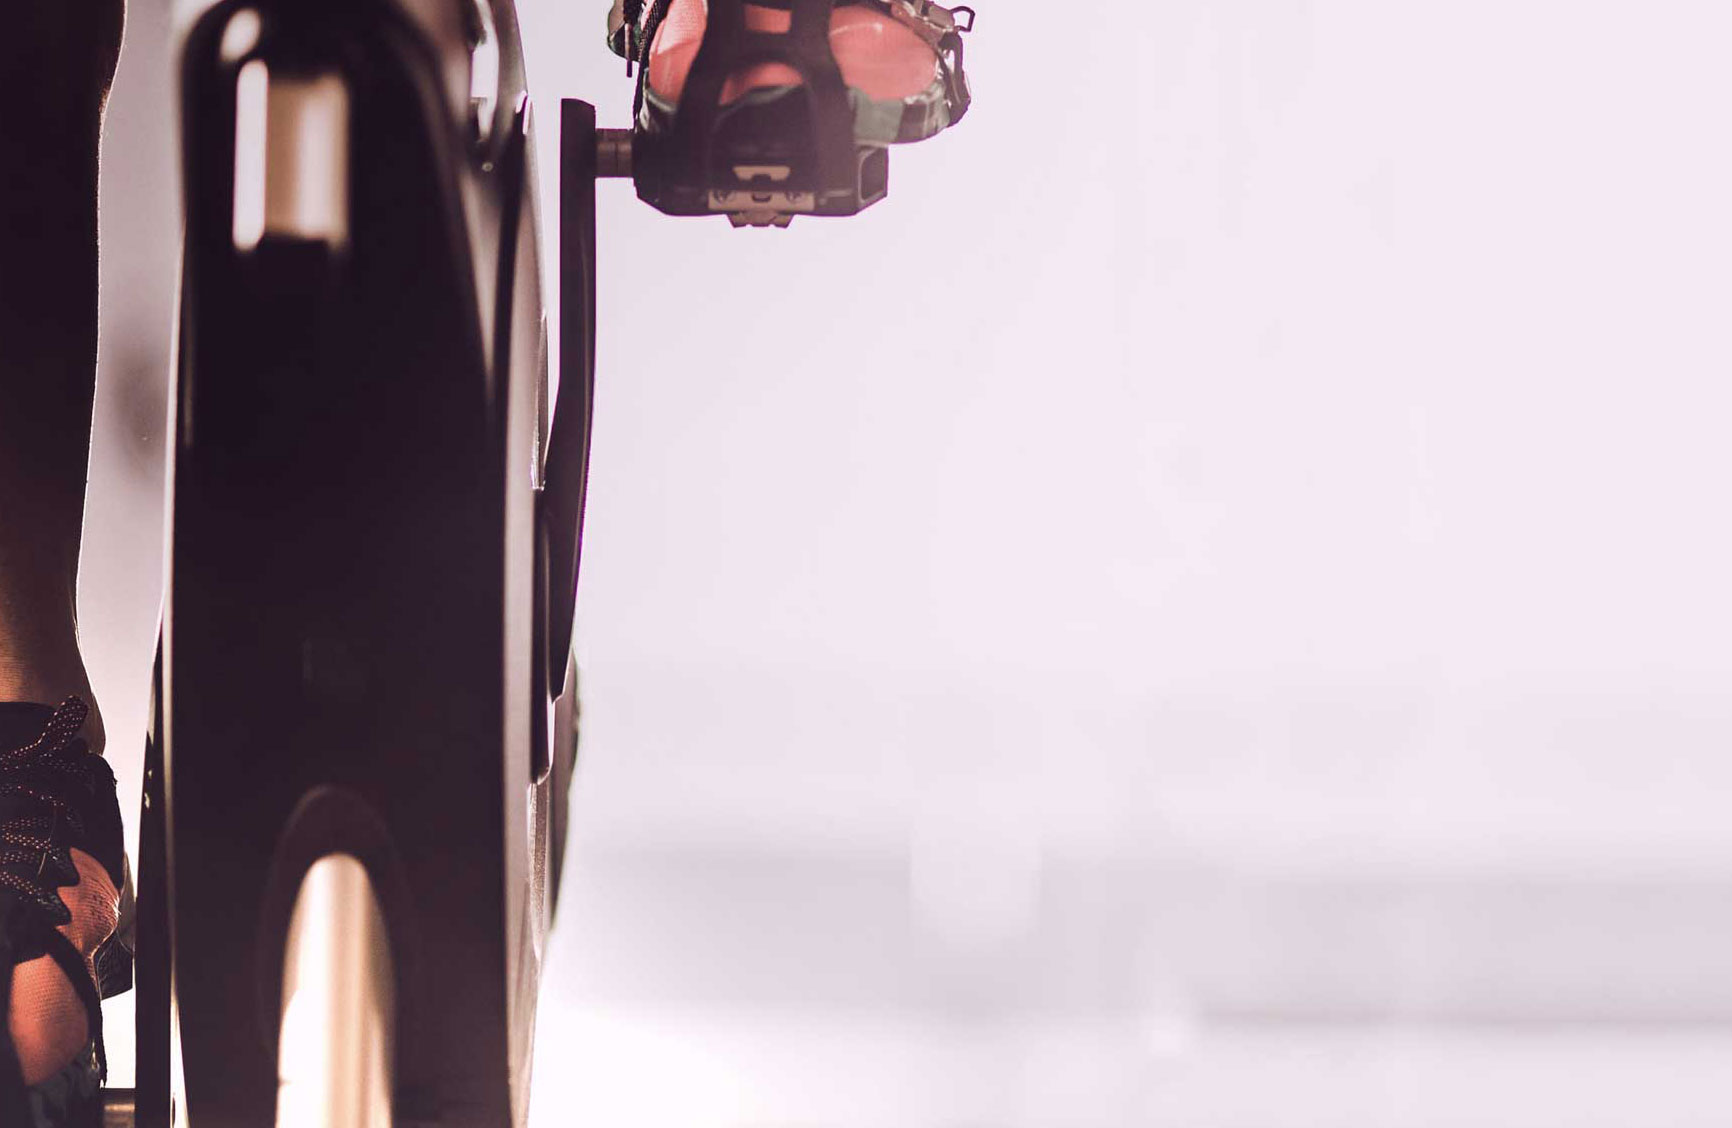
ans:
(707, 1069)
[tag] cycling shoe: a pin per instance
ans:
(901, 61)
(62, 869)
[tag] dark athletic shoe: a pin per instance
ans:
(62, 869)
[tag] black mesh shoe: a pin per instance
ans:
(56, 796)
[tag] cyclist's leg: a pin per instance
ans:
(57, 59)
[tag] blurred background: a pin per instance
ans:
(1207, 608)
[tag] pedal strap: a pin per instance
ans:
(729, 46)
(24, 936)
(14, 1096)
(62, 951)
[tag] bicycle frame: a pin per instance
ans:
(361, 660)
(364, 709)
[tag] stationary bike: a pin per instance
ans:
(364, 719)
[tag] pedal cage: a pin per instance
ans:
(707, 164)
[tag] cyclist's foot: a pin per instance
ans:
(900, 58)
(62, 869)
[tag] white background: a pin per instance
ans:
(1209, 607)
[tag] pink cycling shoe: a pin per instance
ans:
(901, 61)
